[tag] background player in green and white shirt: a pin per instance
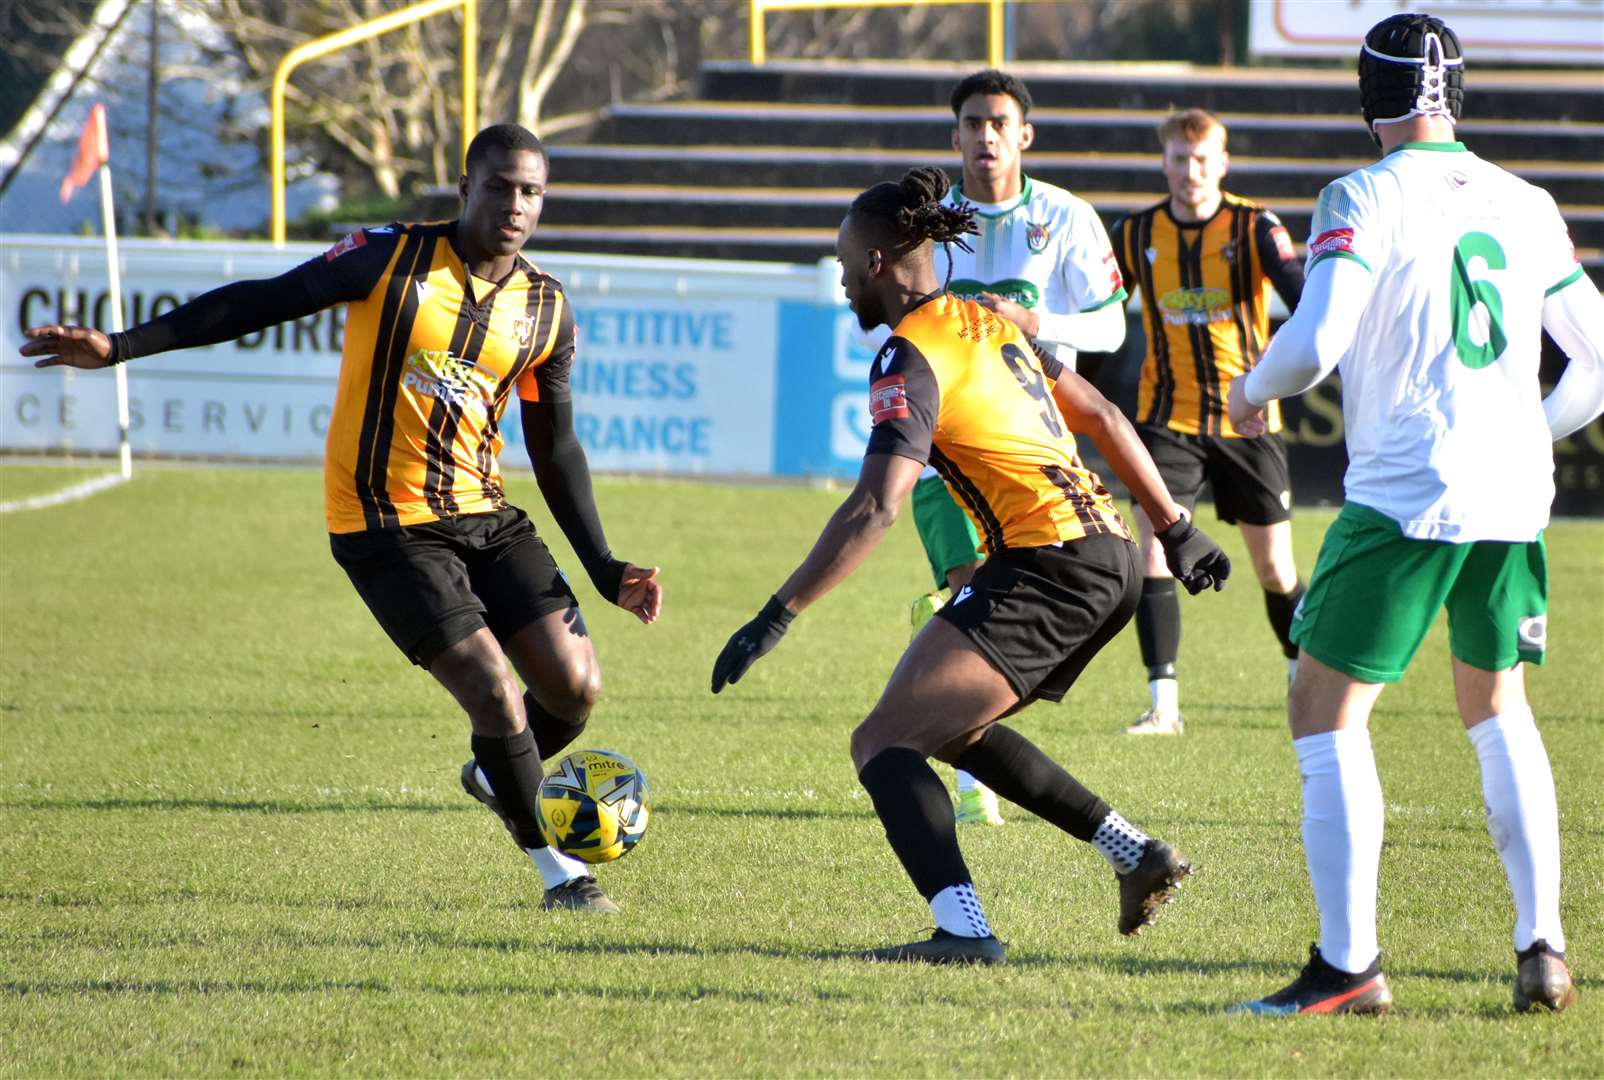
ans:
(1431, 276)
(1042, 260)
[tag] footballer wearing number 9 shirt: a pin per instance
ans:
(445, 322)
(960, 387)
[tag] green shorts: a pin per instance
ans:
(1374, 594)
(945, 530)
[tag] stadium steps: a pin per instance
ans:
(801, 167)
(763, 163)
(1495, 95)
(1128, 131)
(799, 224)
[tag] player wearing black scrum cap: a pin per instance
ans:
(1431, 278)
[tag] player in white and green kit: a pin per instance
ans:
(1042, 260)
(1431, 276)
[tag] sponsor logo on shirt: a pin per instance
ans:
(963, 594)
(1037, 233)
(1018, 290)
(1332, 240)
(349, 243)
(1283, 243)
(1195, 307)
(439, 374)
(888, 399)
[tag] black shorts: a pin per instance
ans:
(1040, 614)
(1249, 477)
(432, 585)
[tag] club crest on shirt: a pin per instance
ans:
(1037, 234)
(524, 330)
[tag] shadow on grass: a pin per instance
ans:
(297, 806)
(53, 988)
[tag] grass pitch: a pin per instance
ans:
(233, 841)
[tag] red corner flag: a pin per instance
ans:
(93, 152)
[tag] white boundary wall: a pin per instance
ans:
(677, 366)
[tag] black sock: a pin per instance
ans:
(553, 734)
(916, 811)
(513, 768)
(1281, 606)
(1015, 768)
(1158, 626)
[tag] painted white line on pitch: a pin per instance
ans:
(65, 495)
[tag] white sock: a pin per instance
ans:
(1342, 821)
(965, 781)
(957, 911)
(1120, 842)
(555, 867)
(1166, 695)
(1517, 787)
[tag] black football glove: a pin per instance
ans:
(750, 642)
(1196, 561)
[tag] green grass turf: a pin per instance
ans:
(233, 841)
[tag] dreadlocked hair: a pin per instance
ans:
(911, 213)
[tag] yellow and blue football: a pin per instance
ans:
(594, 805)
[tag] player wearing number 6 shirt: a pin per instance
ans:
(1431, 275)
(963, 389)
(445, 324)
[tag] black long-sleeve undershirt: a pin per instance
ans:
(563, 474)
(223, 314)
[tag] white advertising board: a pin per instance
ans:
(1534, 31)
(675, 371)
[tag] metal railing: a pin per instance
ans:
(351, 35)
(996, 33)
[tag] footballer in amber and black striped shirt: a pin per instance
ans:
(445, 323)
(1205, 262)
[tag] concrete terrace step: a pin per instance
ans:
(785, 244)
(1575, 95)
(1121, 131)
(800, 166)
(625, 207)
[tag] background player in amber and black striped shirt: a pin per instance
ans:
(962, 388)
(445, 323)
(1205, 262)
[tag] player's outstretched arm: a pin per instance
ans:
(563, 474)
(234, 310)
(1574, 318)
(1194, 559)
(853, 531)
